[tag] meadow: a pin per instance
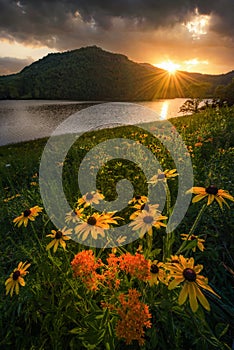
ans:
(161, 291)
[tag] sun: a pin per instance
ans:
(169, 66)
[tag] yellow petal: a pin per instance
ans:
(9, 280)
(63, 244)
(50, 245)
(8, 287)
(26, 266)
(56, 245)
(201, 297)
(17, 287)
(198, 197)
(203, 285)
(50, 235)
(200, 246)
(12, 290)
(225, 194)
(20, 222)
(190, 263)
(173, 284)
(85, 235)
(192, 296)
(198, 268)
(183, 294)
(66, 238)
(220, 201)
(210, 199)
(21, 281)
(197, 190)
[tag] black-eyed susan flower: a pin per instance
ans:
(212, 193)
(163, 176)
(93, 225)
(146, 220)
(199, 241)
(138, 200)
(145, 206)
(59, 238)
(16, 278)
(74, 215)
(157, 273)
(108, 218)
(184, 272)
(28, 214)
(90, 198)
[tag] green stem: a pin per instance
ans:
(149, 241)
(197, 220)
(191, 232)
(36, 236)
(168, 196)
(169, 239)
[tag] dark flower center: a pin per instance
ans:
(16, 275)
(27, 212)
(212, 190)
(59, 235)
(73, 213)
(137, 197)
(190, 275)
(145, 207)
(161, 176)
(148, 219)
(91, 221)
(193, 238)
(89, 196)
(154, 268)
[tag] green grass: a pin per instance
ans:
(55, 310)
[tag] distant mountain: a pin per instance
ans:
(94, 74)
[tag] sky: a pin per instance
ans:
(190, 35)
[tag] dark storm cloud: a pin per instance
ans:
(9, 65)
(49, 22)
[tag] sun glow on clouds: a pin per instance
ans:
(190, 65)
(17, 50)
(198, 25)
(170, 66)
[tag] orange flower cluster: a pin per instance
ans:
(111, 272)
(136, 265)
(134, 316)
(84, 265)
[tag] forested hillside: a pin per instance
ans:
(94, 74)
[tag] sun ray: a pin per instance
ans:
(169, 66)
(162, 84)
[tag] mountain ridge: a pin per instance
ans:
(91, 73)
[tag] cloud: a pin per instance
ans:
(9, 65)
(137, 28)
(47, 22)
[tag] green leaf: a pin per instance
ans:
(221, 329)
(154, 253)
(77, 330)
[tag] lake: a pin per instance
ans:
(23, 120)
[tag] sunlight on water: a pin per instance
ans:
(22, 120)
(164, 110)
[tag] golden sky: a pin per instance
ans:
(186, 35)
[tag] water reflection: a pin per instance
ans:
(27, 120)
(164, 110)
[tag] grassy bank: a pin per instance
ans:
(54, 310)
